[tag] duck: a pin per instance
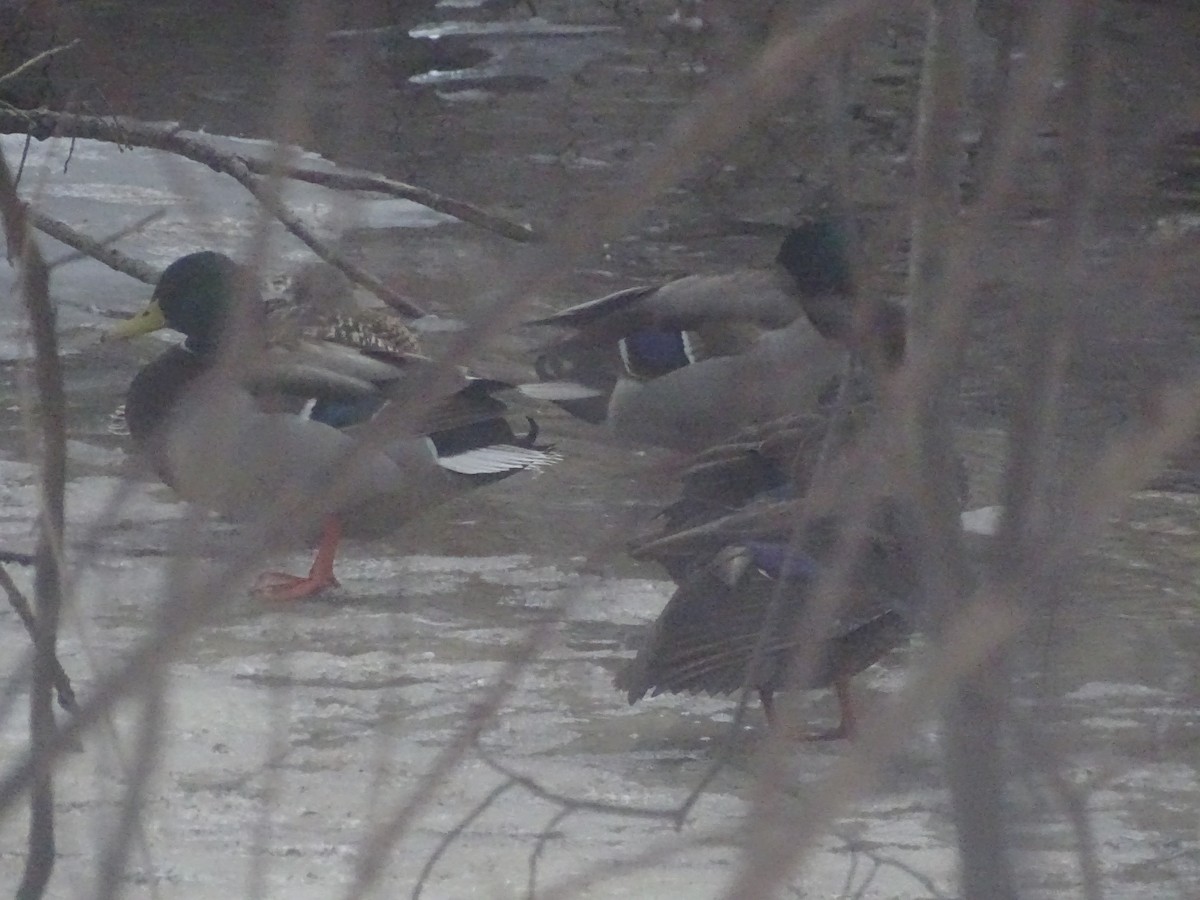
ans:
(734, 621)
(751, 480)
(244, 413)
(685, 364)
(745, 572)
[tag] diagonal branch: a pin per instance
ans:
(62, 683)
(169, 137)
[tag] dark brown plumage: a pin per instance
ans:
(755, 592)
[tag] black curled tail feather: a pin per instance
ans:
(528, 440)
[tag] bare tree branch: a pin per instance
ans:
(62, 683)
(35, 60)
(539, 847)
(101, 249)
(1071, 797)
(454, 833)
(883, 860)
(35, 290)
(576, 803)
(43, 123)
(374, 854)
(120, 839)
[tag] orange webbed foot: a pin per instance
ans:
(280, 586)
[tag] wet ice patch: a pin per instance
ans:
(1106, 692)
(523, 54)
(463, 564)
(94, 496)
(93, 455)
(618, 600)
(512, 27)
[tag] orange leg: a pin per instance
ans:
(767, 698)
(282, 586)
(847, 728)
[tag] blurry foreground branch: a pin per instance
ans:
(51, 405)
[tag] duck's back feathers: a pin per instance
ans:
(786, 371)
(619, 311)
(772, 461)
(370, 331)
(761, 297)
(706, 637)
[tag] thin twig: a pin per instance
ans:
(146, 754)
(852, 869)
(454, 833)
(16, 558)
(379, 843)
(882, 860)
(723, 756)
(366, 181)
(1071, 797)
(62, 683)
(539, 848)
(34, 60)
(240, 171)
(101, 249)
(577, 803)
(45, 123)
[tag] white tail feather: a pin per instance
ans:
(497, 458)
(558, 390)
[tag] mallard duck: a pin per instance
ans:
(767, 463)
(685, 364)
(744, 575)
(707, 638)
(238, 435)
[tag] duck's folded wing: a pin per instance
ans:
(320, 370)
(620, 310)
(468, 406)
(761, 297)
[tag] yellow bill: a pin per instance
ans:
(149, 319)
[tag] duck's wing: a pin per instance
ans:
(765, 298)
(322, 370)
(614, 313)
(754, 594)
(762, 297)
(705, 638)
